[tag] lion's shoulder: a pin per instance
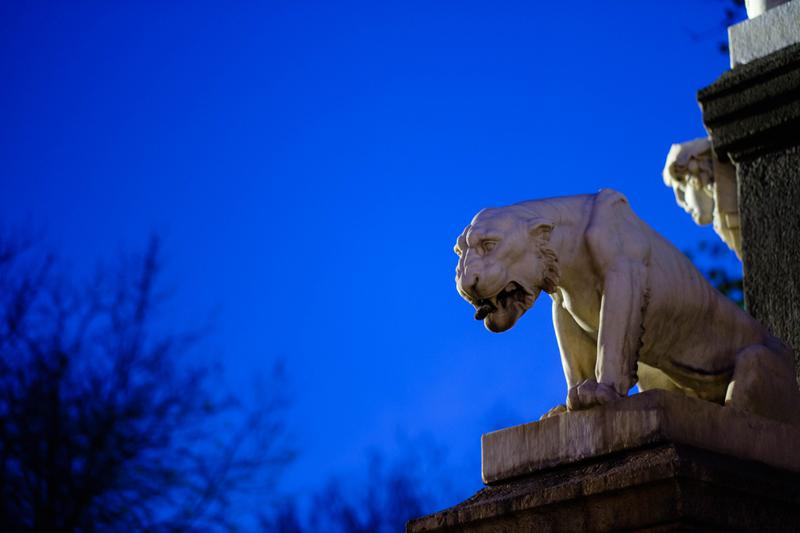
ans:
(609, 197)
(614, 231)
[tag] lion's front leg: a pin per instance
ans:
(620, 251)
(620, 335)
(618, 339)
(578, 350)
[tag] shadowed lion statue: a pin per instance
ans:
(628, 307)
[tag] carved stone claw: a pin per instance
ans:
(589, 393)
(555, 411)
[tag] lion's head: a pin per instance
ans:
(504, 263)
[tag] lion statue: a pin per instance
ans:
(628, 307)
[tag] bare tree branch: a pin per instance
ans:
(106, 422)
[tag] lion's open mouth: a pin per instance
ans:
(512, 295)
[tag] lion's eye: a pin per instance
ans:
(488, 246)
(457, 250)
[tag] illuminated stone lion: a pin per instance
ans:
(628, 306)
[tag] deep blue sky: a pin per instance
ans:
(310, 164)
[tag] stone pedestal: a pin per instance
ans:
(657, 461)
(752, 114)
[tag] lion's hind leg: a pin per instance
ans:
(653, 378)
(764, 384)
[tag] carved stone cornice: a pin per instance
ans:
(754, 109)
(752, 114)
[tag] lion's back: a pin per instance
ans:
(687, 319)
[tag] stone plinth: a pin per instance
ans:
(644, 419)
(657, 461)
(752, 114)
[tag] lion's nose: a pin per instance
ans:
(469, 284)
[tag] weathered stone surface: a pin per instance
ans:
(758, 7)
(657, 461)
(752, 114)
(770, 188)
(767, 32)
(645, 419)
(754, 110)
(667, 487)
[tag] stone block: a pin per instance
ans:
(657, 461)
(649, 418)
(777, 28)
(752, 114)
(660, 488)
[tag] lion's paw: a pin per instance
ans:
(557, 410)
(590, 393)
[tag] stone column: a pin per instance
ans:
(752, 114)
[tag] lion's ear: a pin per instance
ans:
(539, 229)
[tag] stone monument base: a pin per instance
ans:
(656, 461)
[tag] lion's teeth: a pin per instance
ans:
(484, 310)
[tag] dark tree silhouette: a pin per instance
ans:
(105, 421)
(413, 483)
(735, 12)
(391, 495)
(721, 267)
